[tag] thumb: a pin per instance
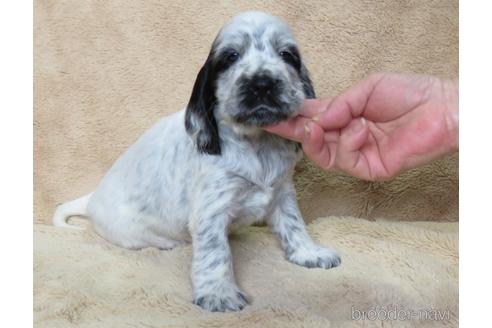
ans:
(292, 129)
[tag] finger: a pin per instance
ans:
(348, 105)
(332, 136)
(292, 129)
(316, 148)
(348, 156)
(312, 107)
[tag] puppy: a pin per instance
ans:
(210, 168)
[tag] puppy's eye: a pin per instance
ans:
(289, 58)
(285, 55)
(232, 57)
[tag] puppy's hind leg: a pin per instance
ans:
(71, 208)
(162, 242)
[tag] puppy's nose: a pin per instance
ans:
(262, 85)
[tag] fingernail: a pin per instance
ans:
(358, 125)
(316, 118)
(307, 130)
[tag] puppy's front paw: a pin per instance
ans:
(315, 256)
(232, 300)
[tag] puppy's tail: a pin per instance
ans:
(68, 209)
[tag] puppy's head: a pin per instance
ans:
(253, 76)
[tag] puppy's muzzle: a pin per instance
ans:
(262, 86)
(261, 89)
(260, 100)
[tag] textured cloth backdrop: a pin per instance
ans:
(105, 71)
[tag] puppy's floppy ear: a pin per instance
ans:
(200, 122)
(295, 60)
(307, 85)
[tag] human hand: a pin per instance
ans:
(382, 126)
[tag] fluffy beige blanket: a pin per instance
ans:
(411, 267)
(104, 71)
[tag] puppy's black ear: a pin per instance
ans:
(307, 85)
(200, 122)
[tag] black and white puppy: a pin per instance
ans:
(210, 168)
